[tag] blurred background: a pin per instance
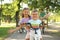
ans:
(10, 12)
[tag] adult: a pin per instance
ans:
(43, 17)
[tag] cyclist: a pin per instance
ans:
(35, 22)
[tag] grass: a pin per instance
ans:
(56, 33)
(5, 27)
(4, 30)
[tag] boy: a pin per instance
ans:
(35, 22)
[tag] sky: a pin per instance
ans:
(6, 1)
(23, 5)
(10, 1)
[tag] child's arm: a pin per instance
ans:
(41, 36)
(28, 25)
(13, 30)
(40, 25)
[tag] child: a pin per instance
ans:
(35, 23)
(43, 16)
(25, 18)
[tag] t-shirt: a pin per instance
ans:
(35, 22)
(24, 20)
(42, 14)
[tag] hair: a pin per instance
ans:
(25, 9)
(23, 14)
(35, 10)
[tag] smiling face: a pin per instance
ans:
(35, 15)
(25, 12)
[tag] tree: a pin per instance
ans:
(17, 12)
(9, 10)
(1, 11)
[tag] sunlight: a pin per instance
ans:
(6, 1)
(24, 5)
(8, 25)
(13, 39)
(48, 36)
(0, 38)
(53, 30)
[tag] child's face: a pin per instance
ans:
(35, 15)
(26, 12)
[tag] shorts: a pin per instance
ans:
(33, 35)
(30, 35)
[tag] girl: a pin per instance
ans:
(25, 17)
(22, 23)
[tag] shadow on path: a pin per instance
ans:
(50, 34)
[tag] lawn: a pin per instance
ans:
(55, 32)
(4, 30)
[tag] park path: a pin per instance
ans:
(47, 36)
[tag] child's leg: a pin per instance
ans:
(32, 34)
(43, 29)
(39, 34)
(27, 36)
(31, 37)
(41, 39)
(27, 39)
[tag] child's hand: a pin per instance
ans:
(27, 28)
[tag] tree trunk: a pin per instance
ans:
(17, 13)
(9, 18)
(17, 18)
(0, 15)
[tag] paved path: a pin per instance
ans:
(47, 36)
(18, 36)
(53, 26)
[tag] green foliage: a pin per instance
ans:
(10, 9)
(4, 32)
(25, 1)
(55, 17)
(33, 4)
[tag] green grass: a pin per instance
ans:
(4, 32)
(56, 33)
(4, 27)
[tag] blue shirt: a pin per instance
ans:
(35, 22)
